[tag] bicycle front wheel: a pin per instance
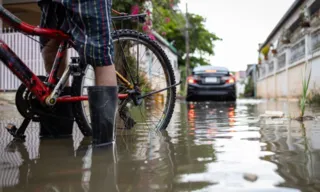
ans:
(142, 62)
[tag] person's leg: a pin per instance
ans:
(52, 17)
(106, 76)
(105, 93)
(49, 52)
(90, 28)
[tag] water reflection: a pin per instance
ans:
(207, 147)
(296, 147)
(59, 167)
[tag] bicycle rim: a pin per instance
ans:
(155, 112)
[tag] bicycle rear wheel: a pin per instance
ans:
(151, 74)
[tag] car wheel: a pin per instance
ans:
(189, 98)
(232, 98)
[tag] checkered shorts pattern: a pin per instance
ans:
(87, 21)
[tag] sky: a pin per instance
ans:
(241, 24)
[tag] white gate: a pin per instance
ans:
(28, 50)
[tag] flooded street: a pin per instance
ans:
(207, 147)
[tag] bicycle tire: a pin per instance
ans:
(79, 113)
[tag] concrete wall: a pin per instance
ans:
(270, 87)
(280, 87)
(284, 80)
(295, 80)
(1, 19)
(261, 88)
(28, 12)
(18, 1)
(315, 66)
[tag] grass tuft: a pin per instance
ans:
(305, 88)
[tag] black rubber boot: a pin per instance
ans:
(58, 126)
(103, 103)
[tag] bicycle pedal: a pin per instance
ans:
(18, 133)
(12, 129)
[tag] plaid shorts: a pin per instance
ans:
(88, 22)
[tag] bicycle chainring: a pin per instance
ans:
(27, 104)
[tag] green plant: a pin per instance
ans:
(265, 51)
(259, 60)
(305, 87)
(249, 88)
(314, 97)
(305, 17)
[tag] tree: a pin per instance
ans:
(249, 88)
(171, 24)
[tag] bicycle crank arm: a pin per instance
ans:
(154, 92)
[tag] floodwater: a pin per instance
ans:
(207, 147)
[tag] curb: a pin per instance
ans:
(8, 97)
(180, 97)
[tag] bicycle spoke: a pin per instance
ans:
(138, 64)
(126, 63)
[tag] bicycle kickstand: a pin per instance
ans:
(18, 133)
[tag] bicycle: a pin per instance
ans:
(37, 95)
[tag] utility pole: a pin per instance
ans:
(187, 43)
(187, 47)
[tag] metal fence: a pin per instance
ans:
(28, 50)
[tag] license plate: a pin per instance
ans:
(211, 80)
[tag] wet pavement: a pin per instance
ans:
(208, 147)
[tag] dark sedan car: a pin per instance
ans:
(211, 83)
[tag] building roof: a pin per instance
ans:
(240, 75)
(285, 18)
(165, 42)
(250, 68)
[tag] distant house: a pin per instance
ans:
(240, 82)
(251, 80)
(240, 75)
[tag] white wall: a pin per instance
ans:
(315, 77)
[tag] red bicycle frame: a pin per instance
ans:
(21, 71)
